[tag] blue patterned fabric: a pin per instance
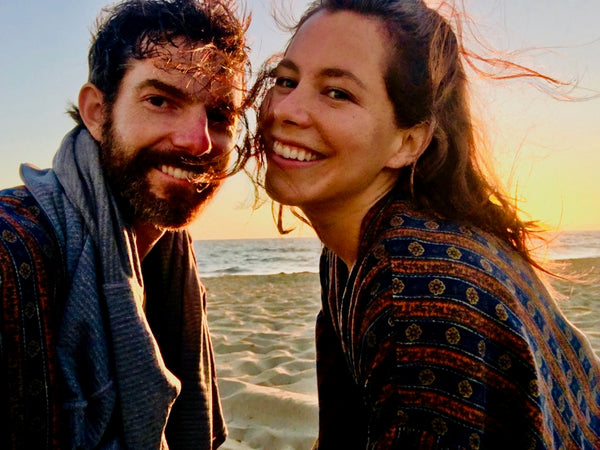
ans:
(32, 274)
(442, 337)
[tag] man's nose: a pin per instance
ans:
(192, 133)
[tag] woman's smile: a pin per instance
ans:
(292, 152)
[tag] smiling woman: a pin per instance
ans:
(435, 331)
(335, 109)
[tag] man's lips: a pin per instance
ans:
(288, 151)
(178, 173)
(185, 167)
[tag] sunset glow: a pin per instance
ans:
(546, 151)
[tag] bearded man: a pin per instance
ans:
(104, 340)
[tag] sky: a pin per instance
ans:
(546, 151)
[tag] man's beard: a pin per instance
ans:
(126, 172)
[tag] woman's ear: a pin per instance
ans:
(413, 143)
(91, 109)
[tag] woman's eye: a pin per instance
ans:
(337, 94)
(283, 82)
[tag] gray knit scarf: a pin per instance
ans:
(132, 378)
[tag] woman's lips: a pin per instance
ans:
(293, 152)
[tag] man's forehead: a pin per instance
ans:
(201, 68)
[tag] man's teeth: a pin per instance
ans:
(178, 173)
(291, 152)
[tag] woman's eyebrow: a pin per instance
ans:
(288, 64)
(335, 72)
(332, 72)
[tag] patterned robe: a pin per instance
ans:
(442, 337)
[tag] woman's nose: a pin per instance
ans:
(291, 107)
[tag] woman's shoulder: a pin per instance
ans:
(461, 273)
(413, 243)
(406, 231)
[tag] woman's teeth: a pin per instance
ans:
(291, 152)
(178, 173)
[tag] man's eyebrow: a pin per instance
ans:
(332, 72)
(169, 89)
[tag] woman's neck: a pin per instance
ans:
(339, 225)
(340, 234)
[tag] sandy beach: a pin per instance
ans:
(263, 334)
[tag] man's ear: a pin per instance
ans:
(91, 109)
(412, 145)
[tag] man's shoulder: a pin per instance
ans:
(21, 212)
(23, 224)
(16, 202)
(32, 287)
(31, 259)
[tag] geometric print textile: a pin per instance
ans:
(31, 276)
(444, 337)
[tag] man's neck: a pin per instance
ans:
(146, 235)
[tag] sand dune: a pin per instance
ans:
(263, 334)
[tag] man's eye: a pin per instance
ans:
(221, 116)
(157, 101)
(284, 82)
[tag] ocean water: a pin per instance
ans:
(257, 256)
(295, 255)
